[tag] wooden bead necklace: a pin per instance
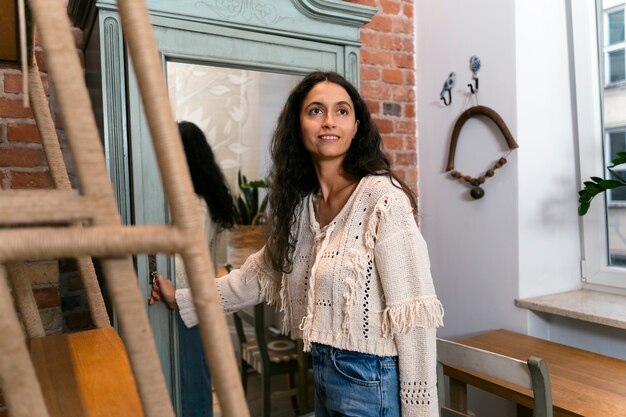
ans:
(477, 192)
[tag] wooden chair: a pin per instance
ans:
(532, 375)
(85, 223)
(268, 354)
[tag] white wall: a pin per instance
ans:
(522, 238)
(548, 221)
(474, 244)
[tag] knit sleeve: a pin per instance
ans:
(417, 362)
(412, 311)
(252, 284)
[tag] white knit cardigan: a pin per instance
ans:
(361, 283)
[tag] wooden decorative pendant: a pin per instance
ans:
(477, 191)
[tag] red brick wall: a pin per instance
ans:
(388, 80)
(22, 160)
(23, 165)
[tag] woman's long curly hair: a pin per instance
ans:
(207, 177)
(292, 176)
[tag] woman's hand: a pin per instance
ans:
(163, 290)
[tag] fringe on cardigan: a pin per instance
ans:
(354, 283)
(285, 306)
(270, 287)
(406, 317)
(381, 209)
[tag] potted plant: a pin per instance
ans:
(249, 209)
(250, 233)
(598, 185)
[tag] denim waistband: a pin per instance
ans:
(326, 349)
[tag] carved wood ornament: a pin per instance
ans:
(477, 192)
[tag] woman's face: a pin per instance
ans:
(328, 121)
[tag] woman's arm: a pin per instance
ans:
(252, 284)
(412, 311)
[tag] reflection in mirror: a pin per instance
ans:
(237, 111)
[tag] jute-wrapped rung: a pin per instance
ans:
(85, 223)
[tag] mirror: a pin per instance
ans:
(237, 111)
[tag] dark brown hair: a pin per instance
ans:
(292, 176)
(207, 177)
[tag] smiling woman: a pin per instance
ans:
(328, 126)
(328, 122)
(344, 260)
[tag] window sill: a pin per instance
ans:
(587, 305)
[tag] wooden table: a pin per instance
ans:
(584, 384)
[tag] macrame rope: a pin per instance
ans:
(80, 126)
(20, 388)
(21, 11)
(60, 178)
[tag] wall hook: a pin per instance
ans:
(474, 64)
(447, 86)
(474, 88)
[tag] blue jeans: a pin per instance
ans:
(353, 384)
(195, 379)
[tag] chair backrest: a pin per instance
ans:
(532, 374)
(256, 319)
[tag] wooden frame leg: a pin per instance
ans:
(524, 411)
(458, 395)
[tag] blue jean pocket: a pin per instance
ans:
(358, 368)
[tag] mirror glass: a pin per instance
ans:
(237, 111)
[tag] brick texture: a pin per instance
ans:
(35, 179)
(23, 166)
(42, 273)
(25, 133)
(388, 81)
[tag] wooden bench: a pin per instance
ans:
(86, 374)
(584, 384)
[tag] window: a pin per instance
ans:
(614, 45)
(600, 86)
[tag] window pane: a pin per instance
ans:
(616, 27)
(617, 70)
(617, 143)
(616, 211)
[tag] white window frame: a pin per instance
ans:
(608, 48)
(595, 269)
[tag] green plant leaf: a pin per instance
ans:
(598, 185)
(592, 189)
(620, 159)
(244, 217)
(250, 209)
